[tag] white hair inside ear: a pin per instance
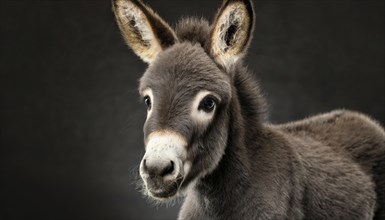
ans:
(133, 16)
(231, 33)
(144, 31)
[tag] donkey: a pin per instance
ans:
(206, 138)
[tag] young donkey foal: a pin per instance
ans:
(205, 137)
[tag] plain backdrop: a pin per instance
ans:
(71, 119)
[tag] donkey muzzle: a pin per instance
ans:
(162, 165)
(162, 177)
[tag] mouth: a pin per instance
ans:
(163, 191)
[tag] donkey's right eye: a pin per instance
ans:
(207, 104)
(147, 101)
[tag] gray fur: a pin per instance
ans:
(329, 166)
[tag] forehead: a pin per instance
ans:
(184, 67)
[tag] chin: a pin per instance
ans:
(164, 192)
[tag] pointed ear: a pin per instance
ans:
(144, 31)
(231, 31)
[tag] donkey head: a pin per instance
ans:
(187, 89)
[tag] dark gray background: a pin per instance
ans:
(69, 112)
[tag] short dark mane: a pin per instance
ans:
(194, 30)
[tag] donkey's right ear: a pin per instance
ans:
(144, 31)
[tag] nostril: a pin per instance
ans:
(156, 169)
(144, 166)
(168, 169)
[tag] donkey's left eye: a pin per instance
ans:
(147, 101)
(207, 104)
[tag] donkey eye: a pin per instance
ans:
(147, 101)
(207, 104)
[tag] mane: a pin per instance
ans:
(250, 96)
(194, 30)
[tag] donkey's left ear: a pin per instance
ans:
(144, 31)
(231, 31)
